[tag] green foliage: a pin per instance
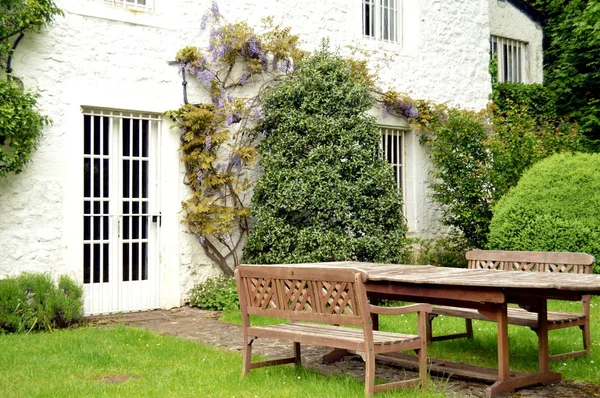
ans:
(21, 126)
(478, 157)
(448, 251)
(326, 193)
(17, 16)
(553, 208)
(216, 294)
(217, 139)
(572, 60)
(35, 302)
(21, 123)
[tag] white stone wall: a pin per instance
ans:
(108, 57)
(507, 21)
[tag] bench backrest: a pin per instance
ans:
(335, 297)
(578, 263)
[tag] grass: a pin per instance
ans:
(129, 362)
(482, 351)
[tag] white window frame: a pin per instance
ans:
(381, 20)
(393, 150)
(511, 58)
(138, 5)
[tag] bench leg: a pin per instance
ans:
(587, 343)
(469, 326)
(369, 374)
(247, 355)
(429, 331)
(298, 360)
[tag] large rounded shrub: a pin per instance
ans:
(554, 207)
(326, 193)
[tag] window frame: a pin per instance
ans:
(511, 59)
(378, 11)
(136, 5)
(398, 162)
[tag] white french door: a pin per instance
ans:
(121, 216)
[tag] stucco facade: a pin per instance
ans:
(104, 57)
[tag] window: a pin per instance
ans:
(393, 151)
(380, 19)
(511, 58)
(141, 5)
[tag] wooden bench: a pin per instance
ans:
(579, 263)
(332, 297)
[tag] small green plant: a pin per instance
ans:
(448, 251)
(218, 294)
(35, 302)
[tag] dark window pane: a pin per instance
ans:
(87, 186)
(145, 127)
(96, 207)
(126, 221)
(87, 207)
(135, 262)
(125, 178)
(144, 207)
(105, 140)
(96, 178)
(105, 207)
(144, 227)
(105, 227)
(87, 227)
(144, 261)
(87, 132)
(135, 227)
(105, 187)
(126, 136)
(144, 179)
(136, 179)
(96, 134)
(135, 207)
(96, 273)
(125, 262)
(125, 207)
(105, 263)
(86, 263)
(96, 224)
(136, 137)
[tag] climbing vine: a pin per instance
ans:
(218, 143)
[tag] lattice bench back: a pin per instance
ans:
(577, 263)
(303, 294)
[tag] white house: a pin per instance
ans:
(101, 197)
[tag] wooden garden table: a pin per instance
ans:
(488, 291)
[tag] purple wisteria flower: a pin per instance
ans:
(199, 176)
(202, 240)
(229, 99)
(411, 112)
(215, 7)
(228, 238)
(218, 101)
(190, 69)
(384, 111)
(275, 64)
(257, 113)
(206, 77)
(204, 21)
(243, 78)
(232, 118)
(208, 142)
(284, 66)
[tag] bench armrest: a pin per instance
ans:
(375, 309)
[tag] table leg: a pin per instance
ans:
(542, 332)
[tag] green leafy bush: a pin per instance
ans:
(35, 302)
(554, 207)
(216, 294)
(448, 251)
(326, 193)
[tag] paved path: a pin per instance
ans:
(204, 326)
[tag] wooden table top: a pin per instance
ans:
(446, 276)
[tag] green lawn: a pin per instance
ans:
(522, 342)
(87, 362)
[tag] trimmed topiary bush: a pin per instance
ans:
(326, 193)
(554, 207)
(35, 302)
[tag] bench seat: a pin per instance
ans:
(516, 316)
(332, 336)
